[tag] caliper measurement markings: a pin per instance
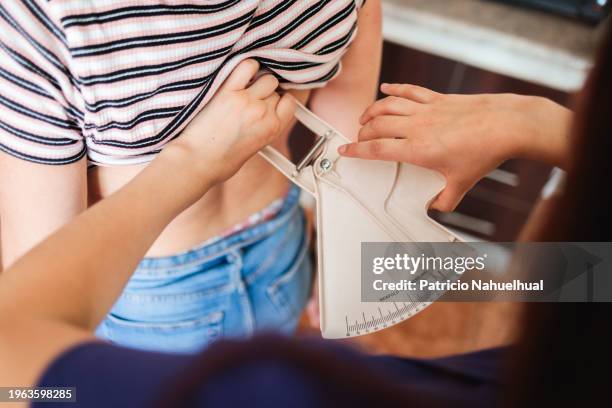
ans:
(373, 323)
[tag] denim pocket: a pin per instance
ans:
(289, 291)
(185, 336)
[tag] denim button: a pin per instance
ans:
(231, 258)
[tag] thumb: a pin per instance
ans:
(285, 110)
(449, 198)
(397, 150)
(241, 76)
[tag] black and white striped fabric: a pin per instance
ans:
(118, 79)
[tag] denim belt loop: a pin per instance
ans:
(234, 257)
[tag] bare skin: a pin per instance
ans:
(464, 137)
(221, 207)
(75, 291)
(88, 290)
(66, 190)
(461, 136)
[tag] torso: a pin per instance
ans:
(255, 186)
(123, 78)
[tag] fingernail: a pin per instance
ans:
(342, 149)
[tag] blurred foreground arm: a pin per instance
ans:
(56, 294)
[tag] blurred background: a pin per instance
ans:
(536, 47)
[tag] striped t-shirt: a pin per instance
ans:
(118, 79)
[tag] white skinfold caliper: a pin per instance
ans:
(361, 201)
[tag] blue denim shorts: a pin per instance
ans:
(257, 279)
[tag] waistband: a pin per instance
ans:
(224, 245)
